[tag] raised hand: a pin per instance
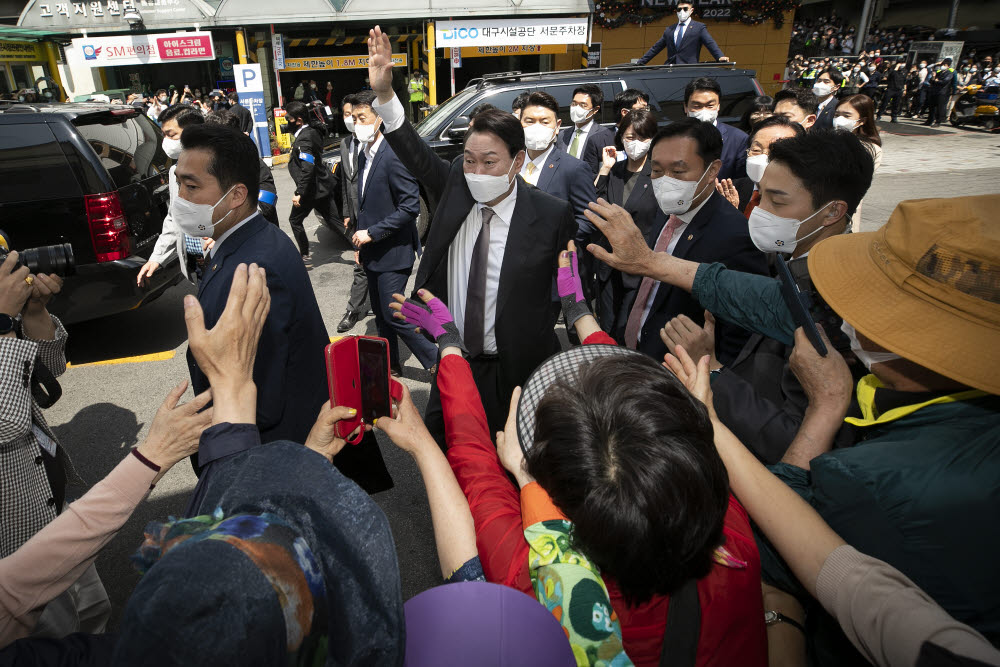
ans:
(570, 288)
(726, 188)
(629, 252)
(432, 316)
(380, 64)
(698, 341)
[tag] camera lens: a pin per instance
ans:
(57, 259)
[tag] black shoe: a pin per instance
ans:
(937, 124)
(346, 324)
(927, 124)
(893, 120)
(396, 371)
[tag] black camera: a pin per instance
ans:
(57, 259)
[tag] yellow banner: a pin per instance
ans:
(21, 51)
(336, 62)
(526, 50)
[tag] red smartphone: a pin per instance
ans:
(358, 375)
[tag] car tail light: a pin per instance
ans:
(108, 228)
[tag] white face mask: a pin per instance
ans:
(772, 233)
(684, 15)
(841, 123)
(675, 196)
(365, 133)
(822, 89)
(705, 115)
(864, 356)
(537, 137)
(349, 123)
(579, 114)
(756, 164)
(485, 187)
(196, 219)
(172, 147)
(637, 149)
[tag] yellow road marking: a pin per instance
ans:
(156, 356)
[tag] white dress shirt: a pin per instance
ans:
(229, 232)
(584, 131)
(539, 163)
(370, 151)
(686, 218)
(392, 114)
(460, 262)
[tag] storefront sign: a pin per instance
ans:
(20, 51)
(278, 50)
(250, 88)
(144, 49)
(109, 14)
(456, 57)
(338, 62)
(500, 32)
(522, 50)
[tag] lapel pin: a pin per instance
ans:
(215, 266)
(551, 166)
(690, 237)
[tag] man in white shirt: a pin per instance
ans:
(587, 138)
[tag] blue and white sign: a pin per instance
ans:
(510, 32)
(250, 88)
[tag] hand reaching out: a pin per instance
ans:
(431, 316)
(509, 446)
(629, 252)
(697, 341)
(695, 376)
(726, 188)
(406, 429)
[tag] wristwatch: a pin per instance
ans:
(6, 324)
(774, 617)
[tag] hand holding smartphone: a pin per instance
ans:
(358, 377)
(798, 304)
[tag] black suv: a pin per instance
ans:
(94, 176)
(444, 129)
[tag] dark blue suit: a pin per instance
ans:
(735, 143)
(290, 370)
(695, 36)
(569, 179)
(388, 206)
(593, 148)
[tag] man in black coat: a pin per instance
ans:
(510, 291)
(219, 166)
(244, 115)
(684, 39)
(313, 181)
(586, 139)
(893, 98)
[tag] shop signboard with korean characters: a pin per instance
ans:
(110, 14)
(250, 88)
(140, 49)
(504, 32)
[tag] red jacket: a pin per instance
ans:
(732, 611)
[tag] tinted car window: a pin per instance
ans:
(738, 94)
(564, 95)
(32, 165)
(130, 150)
(668, 94)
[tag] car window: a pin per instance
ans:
(738, 93)
(434, 123)
(32, 165)
(501, 99)
(129, 150)
(668, 94)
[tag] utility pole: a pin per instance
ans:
(863, 28)
(953, 15)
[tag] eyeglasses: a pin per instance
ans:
(756, 150)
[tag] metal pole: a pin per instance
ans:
(452, 61)
(277, 77)
(953, 15)
(863, 28)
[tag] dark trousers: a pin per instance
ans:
(358, 301)
(325, 207)
(493, 391)
(892, 99)
(937, 106)
(922, 97)
(614, 303)
(269, 212)
(381, 287)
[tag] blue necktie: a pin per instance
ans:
(680, 35)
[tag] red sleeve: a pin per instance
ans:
(495, 503)
(599, 338)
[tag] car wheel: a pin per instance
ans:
(423, 220)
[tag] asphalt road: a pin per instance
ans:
(123, 366)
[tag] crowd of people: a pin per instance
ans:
(833, 36)
(772, 440)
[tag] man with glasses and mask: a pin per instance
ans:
(490, 252)
(684, 39)
(702, 227)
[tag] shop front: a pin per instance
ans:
(22, 65)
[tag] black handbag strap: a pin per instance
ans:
(680, 639)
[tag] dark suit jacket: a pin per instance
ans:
(305, 166)
(345, 181)
(290, 371)
(388, 209)
(824, 120)
(569, 179)
(735, 143)
(718, 233)
(245, 116)
(541, 226)
(593, 148)
(744, 187)
(695, 36)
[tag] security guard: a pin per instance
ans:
(416, 88)
(313, 182)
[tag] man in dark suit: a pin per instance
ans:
(702, 227)
(345, 183)
(684, 39)
(797, 105)
(587, 138)
(386, 236)
(242, 113)
(491, 250)
(313, 181)
(219, 166)
(702, 100)
(827, 86)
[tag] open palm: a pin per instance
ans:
(379, 62)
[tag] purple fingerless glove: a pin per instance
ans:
(570, 289)
(434, 318)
